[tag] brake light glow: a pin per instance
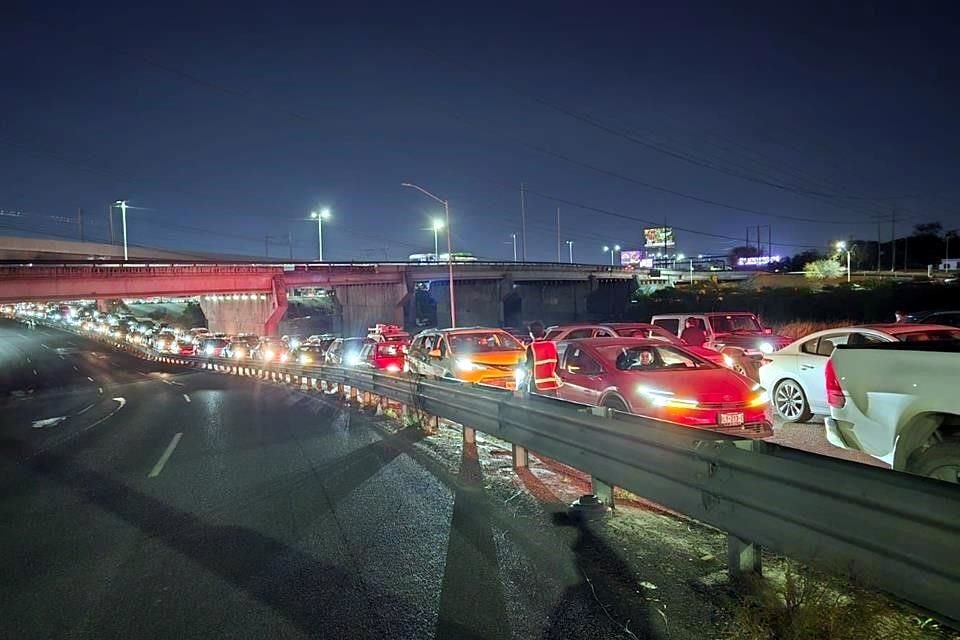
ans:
(835, 397)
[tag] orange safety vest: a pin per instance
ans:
(544, 357)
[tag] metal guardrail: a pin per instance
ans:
(896, 532)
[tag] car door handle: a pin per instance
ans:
(807, 367)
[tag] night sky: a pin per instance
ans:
(230, 122)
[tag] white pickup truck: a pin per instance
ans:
(899, 402)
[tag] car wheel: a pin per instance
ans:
(616, 404)
(940, 461)
(790, 401)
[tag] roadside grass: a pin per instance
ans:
(799, 329)
(803, 604)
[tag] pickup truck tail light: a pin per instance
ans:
(835, 396)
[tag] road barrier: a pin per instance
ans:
(893, 531)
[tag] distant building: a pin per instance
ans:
(950, 264)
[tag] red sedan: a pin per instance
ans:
(633, 330)
(651, 378)
(385, 355)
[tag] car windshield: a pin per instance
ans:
(729, 324)
(653, 358)
(483, 342)
(930, 335)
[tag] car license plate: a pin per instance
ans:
(730, 419)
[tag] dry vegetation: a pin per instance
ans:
(806, 605)
(806, 327)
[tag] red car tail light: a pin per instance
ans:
(835, 397)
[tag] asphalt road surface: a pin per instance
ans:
(140, 501)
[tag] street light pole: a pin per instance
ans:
(514, 237)
(320, 216)
(123, 214)
(612, 251)
(842, 246)
(446, 213)
(437, 225)
(570, 250)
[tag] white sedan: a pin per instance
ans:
(794, 375)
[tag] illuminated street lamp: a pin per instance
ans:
(320, 216)
(437, 225)
(570, 250)
(842, 246)
(123, 215)
(612, 251)
(446, 222)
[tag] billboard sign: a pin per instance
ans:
(659, 237)
(635, 259)
(757, 261)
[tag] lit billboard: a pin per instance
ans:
(635, 259)
(659, 237)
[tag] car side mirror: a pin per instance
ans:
(435, 353)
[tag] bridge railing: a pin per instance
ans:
(894, 531)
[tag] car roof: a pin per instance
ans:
(616, 342)
(704, 313)
(906, 327)
(461, 330)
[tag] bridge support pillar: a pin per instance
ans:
(254, 313)
(479, 302)
(364, 305)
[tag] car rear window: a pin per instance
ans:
(930, 335)
(670, 324)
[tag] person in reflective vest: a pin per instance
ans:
(541, 362)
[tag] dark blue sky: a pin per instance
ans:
(232, 122)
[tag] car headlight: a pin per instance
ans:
(284, 357)
(268, 355)
(728, 361)
(765, 347)
(393, 368)
(238, 353)
(466, 364)
(351, 359)
(304, 359)
(294, 344)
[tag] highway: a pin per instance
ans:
(142, 501)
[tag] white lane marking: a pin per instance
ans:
(174, 383)
(49, 422)
(61, 357)
(29, 361)
(157, 468)
(75, 368)
(69, 436)
(186, 397)
(44, 346)
(90, 379)
(99, 389)
(85, 409)
(35, 372)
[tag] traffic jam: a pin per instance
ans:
(721, 371)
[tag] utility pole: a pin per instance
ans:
(110, 220)
(80, 221)
(559, 255)
(523, 220)
(290, 243)
(878, 244)
(770, 239)
(748, 238)
(759, 245)
(893, 241)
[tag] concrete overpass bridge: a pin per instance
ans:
(252, 296)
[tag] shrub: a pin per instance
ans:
(823, 269)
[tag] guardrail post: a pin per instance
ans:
(743, 558)
(521, 457)
(603, 490)
(469, 435)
